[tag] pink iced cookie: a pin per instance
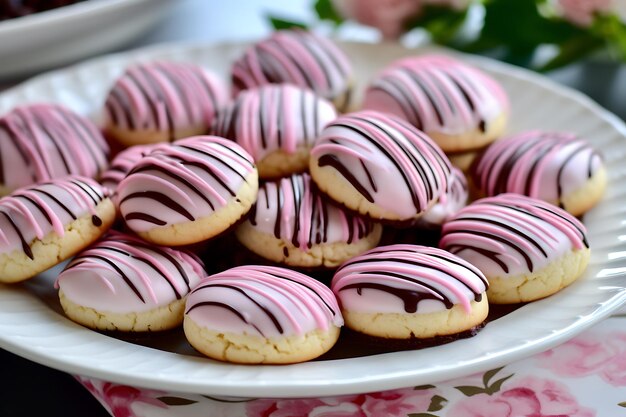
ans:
(296, 57)
(123, 283)
(277, 125)
(410, 291)
(292, 223)
(262, 314)
(528, 249)
(188, 191)
(459, 106)
(380, 166)
(44, 224)
(40, 142)
(162, 101)
(556, 167)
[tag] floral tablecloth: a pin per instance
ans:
(583, 377)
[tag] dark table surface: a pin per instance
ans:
(28, 389)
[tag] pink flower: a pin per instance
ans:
(614, 371)
(381, 404)
(582, 12)
(599, 353)
(120, 398)
(524, 397)
(578, 357)
(389, 16)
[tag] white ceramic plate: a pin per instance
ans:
(31, 326)
(43, 40)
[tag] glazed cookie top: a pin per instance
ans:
(389, 162)
(511, 234)
(274, 117)
(122, 164)
(123, 274)
(183, 181)
(291, 210)
(544, 165)
(263, 300)
(40, 142)
(164, 96)
(437, 93)
(33, 212)
(407, 279)
(294, 57)
(456, 199)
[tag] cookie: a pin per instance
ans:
(299, 58)
(41, 142)
(410, 292)
(188, 191)
(277, 125)
(45, 224)
(379, 166)
(122, 283)
(528, 249)
(162, 101)
(457, 105)
(262, 315)
(292, 224)
(556, 167)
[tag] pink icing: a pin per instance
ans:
(392, 164)
(164, 96)
(183, 181)
(437, 93)
(510, 234)
(40, 142)
(33, 212)
(274, 117)
(407, 279)
(290, 209)
(123, 274)
(456, 199)
(122, 164)
(294, 57)
(263, 300)
(543, 165)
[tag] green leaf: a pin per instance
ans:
(421, 415)
(423, 387)
(495, 387)
(490, 374)
(278, 23)
(176, 401)
(571, 51)
(437, 403)
(470, 391)
(519, 26)
(326, 11)
(442, 23)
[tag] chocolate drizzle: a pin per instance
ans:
(49, 204)
(51, 142)
(285, 58)
(308, 214)
(412, 274)
(161, 87)
(518, 160)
